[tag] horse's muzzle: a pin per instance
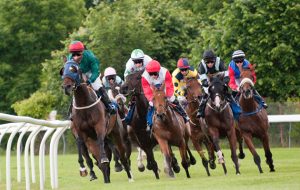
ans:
(67, 89)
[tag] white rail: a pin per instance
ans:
(34, 126)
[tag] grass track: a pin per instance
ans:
(286, 161)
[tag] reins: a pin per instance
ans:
(89, 106)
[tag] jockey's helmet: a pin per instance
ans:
(76, 46)
(153, 66)
(238, 55)
(209, 55)
(183, 63)
(137, 54)
(109, 71)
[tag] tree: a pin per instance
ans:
(29, 30)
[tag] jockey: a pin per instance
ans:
(89, 65)
(179, 76)
(157, 75)
(137, 62)
(111, 78)
(211, 64)
(236, 64)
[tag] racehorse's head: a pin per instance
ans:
(193, 89)
(133, 84)
(247, 85)
(217, 90)
(159, 100)
(71, 76)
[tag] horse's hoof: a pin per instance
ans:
(130, 180)
(142, 168)
(93, 177)
(241, 155)
(272, 170)
(176, 169)
(118, 167)
(192, 161)
(83, 173)
(104, 160)
(212, 165)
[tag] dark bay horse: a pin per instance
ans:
(253, 121)
(91, 122)
(137, 127)
(169, 129)
(220, 121)
(198, 137)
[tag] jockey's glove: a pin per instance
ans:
(226, 80)
(88, 82)
(204, 83)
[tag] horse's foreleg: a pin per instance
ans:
(82, 170)
(174, 162)
(103, 161)
(89, 161)
(240, 141)
(151, 163)
(256, 157)
(211, 153)
(200, 151)
(232, 141)
(221, 160)
(124, 161)
(141, 166)
(165, 149)
(268, 154)
(183, 154)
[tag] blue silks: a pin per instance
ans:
(150, 115)
(236, 110)
(129, 115)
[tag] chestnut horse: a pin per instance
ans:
(91, 122)
(193, 92)
(169, 129)
(137, 128)
(220, 121)
(253, 121)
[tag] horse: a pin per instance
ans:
(193, 92)
(137, 128)
(219, 120)
(169, 129)
(253, 121)
(120, 100)
(91, 122)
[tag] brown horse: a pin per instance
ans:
(91, 122)
(137, 127)
(253, 121)
(220, 121)
(193, 92)
(169, 129)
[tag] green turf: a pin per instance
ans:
(286, 161)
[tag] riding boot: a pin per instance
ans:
(181, 111)
(150, 117)
(106, 101)
(260, 99)
(201, 109)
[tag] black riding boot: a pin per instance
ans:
(201, 109)
(181, 111)
(106, 101)
(264, 104)
(229, 97)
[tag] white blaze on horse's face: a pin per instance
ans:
(217, 101)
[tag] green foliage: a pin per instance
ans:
(268, 35)
(29, 31)
(38, 105)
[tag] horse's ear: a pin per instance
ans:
(64, 58)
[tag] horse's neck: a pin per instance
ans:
(141, 104)
(82, 96)
(248, 105)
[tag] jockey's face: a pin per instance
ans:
(138, 63)
(210, 63)
(154, 75)
(184, 71)
(77, 56)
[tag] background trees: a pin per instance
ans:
(266, 30)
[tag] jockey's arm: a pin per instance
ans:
(169, 85)
(232, 83)
(147, 89)
(94, 69)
